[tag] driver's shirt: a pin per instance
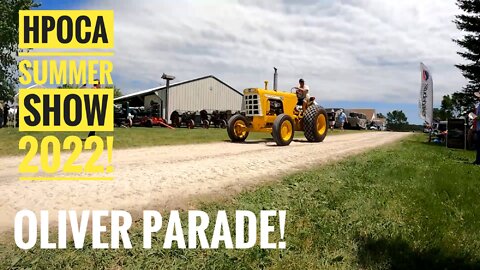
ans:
(303, 92)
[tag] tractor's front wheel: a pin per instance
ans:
(315, 124)
(237, 128)
(283, 130)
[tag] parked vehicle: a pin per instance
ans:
(204, 119)
(186, 118)
(356, 120)
(219, 119)
(120, 113)
(377, 125)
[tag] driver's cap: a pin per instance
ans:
(301, 80)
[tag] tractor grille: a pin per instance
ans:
(252, 105)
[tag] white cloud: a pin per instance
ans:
(345, 50)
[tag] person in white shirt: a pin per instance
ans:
(302, 94)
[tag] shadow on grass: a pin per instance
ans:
(259, 141)
(399, 254)
(426, 143)
(443, 145)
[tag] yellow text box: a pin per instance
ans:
(66, 110)
(66, 29)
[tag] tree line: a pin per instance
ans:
(463, 101)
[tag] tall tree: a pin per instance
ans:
(397, 121)
(69, 86)
(9, 44)
(469, 22)
(116, 91)
(450, 108)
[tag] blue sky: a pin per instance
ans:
(357, 54)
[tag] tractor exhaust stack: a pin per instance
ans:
(275, 79)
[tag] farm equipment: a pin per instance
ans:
(187, 118)
(204, 119)
(356, 121)
(219, 119)
(120, 116)
(149, 121)
(125, 116)
(277, 113)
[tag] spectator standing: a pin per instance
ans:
(477, 121)
(1, 116)
(331, 119)
(342, 118)
(6, 110)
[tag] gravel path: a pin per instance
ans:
(169, 176)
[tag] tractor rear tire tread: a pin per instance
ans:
(310, 123)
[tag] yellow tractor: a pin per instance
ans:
(277, 113)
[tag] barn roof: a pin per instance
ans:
(152, 90)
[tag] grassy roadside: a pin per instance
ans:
(405, 206)
(136, 137)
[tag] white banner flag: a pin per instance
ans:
(426, 95)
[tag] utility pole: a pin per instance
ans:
(167, 78)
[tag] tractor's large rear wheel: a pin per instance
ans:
(283, 130)
(237, 128)
(315, 124)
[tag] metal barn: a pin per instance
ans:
(209, 93)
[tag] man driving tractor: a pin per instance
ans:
(281, 114)
(302, 94)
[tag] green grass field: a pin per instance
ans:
(137, 137)
(406, 206)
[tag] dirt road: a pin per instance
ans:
(168, 176)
